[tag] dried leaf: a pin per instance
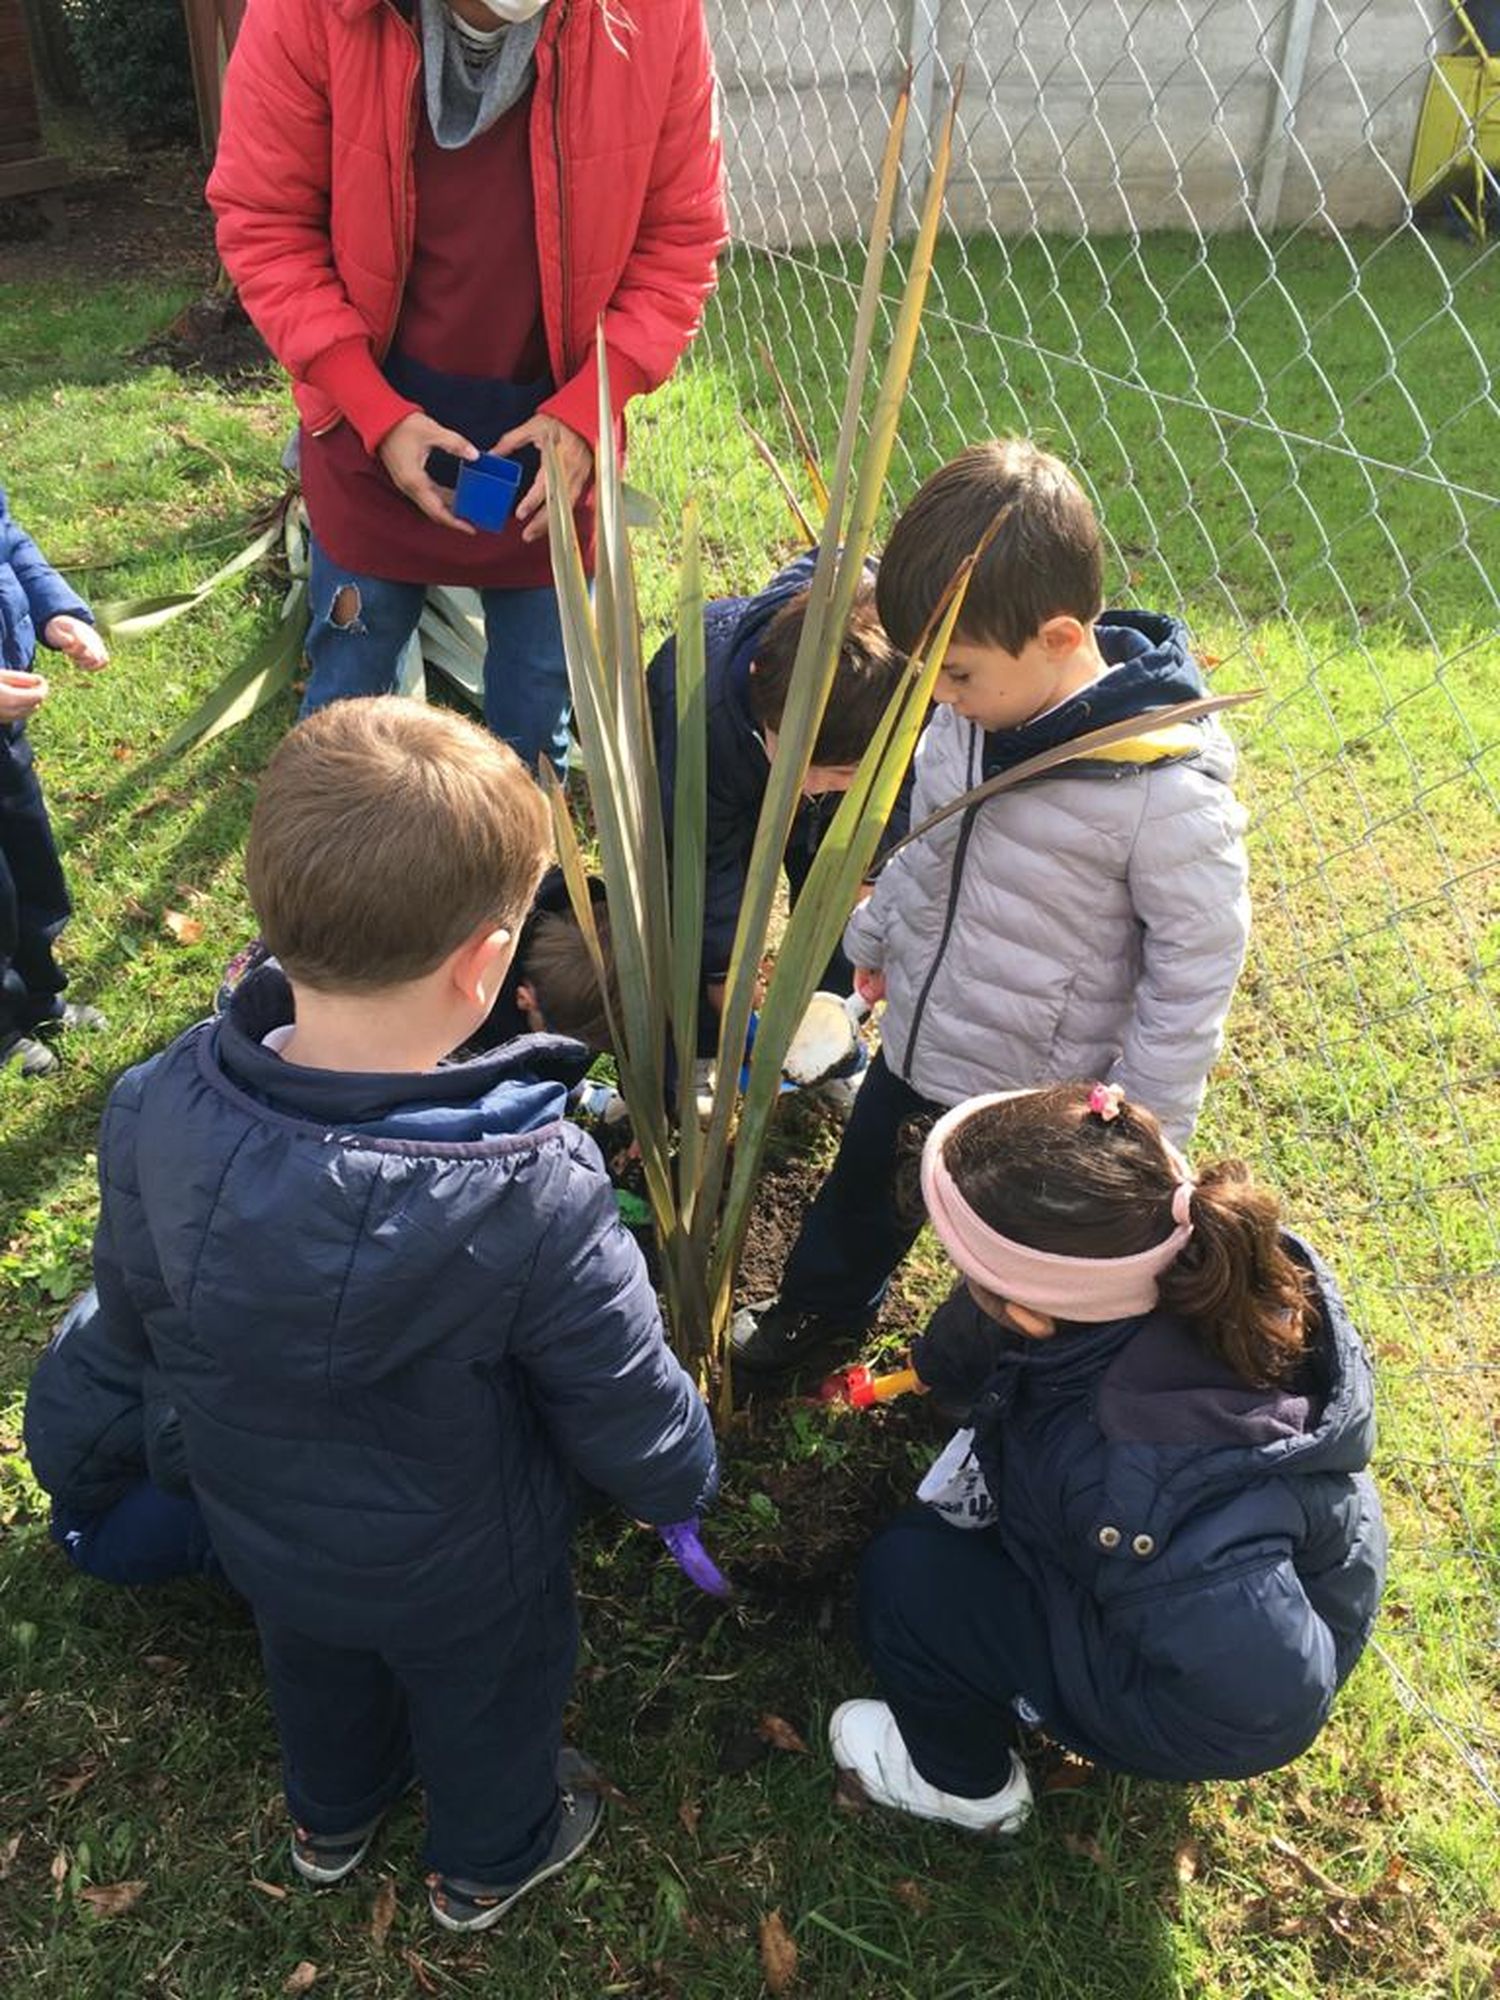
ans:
(849, 1795)
(302, 1976)
(384, 1912)
(70, 1786)
(58, 1870)
(1086, 1845)
(1186, 1863)
(419, 1970)
(182, 930)
(9, 1849)
(779, 1733)
(778, 1954)
(113, 1899)
(1067, 1774)
(272, 1889)
(913, 1895)
(689, 1813)
(1310, 1869)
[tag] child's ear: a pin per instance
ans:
(479, 966)
(526, 998)
(1063, 634)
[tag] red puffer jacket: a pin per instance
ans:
(315, 195)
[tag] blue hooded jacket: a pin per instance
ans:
(1207, 1556)
(738, 767)
(31, 594)
(395, 1315)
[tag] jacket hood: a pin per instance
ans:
(1151, 666)
(515, 1089)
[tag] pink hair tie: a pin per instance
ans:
(1105, 1100)
(1079, 1289)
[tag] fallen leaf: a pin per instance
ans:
(113, 1899)
(418, 1969)
(1186, 1863)
(188, 930)
(384, 1912)
(1086, 1845)
(779, 1733)
(913, 1895)
(58, 1870)
(302, 1975)
(163, 1663)
(70, 1786)
(688, 1813)
(778, 1954)
(1310, 1869)
(1067, 1774)
(849, 1795)
(9, 1849)
(272, 1889)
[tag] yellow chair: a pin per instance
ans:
(1457, 149)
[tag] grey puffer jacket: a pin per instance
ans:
(1081, 927)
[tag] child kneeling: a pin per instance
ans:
(1178, 1553)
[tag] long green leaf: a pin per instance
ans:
(689, 856)
(127, 618)
(270, 667)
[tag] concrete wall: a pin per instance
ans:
(1104, 114)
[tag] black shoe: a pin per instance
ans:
(31, 1057)
(475, 1906)
(773, 1339)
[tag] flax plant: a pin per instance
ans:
(656, 908)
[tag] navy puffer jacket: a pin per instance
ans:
(394, 1315)
(1208, 1556)
(32, 594)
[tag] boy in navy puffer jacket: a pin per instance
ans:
(36, 607)
(1172, 1554)
(393, 1306)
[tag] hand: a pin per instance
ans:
(870, 986)
(403, 452)
(576, 455)
(78, 640)
(20, 695)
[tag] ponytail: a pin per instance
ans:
(1235, 1280)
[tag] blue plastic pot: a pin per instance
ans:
(486, 492)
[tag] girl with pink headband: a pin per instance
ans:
(1168, 1552)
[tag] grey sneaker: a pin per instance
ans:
(476, 1906)
(76, 1014)
(772, 1339)
(325, 1859)
(31, 1057)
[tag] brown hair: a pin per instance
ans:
(1045, 1170)
(1046, 557)
(384, 834)
(863, 681)
(554, 962)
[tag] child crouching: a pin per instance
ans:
(1172, 1415)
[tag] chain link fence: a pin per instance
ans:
(1183, 253)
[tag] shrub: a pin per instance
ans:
(133, 62)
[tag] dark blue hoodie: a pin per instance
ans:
(394, 1314)
(1208, 1556)
(31, 594)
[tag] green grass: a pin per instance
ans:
(135, 1744)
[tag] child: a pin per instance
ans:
(1172, 1414)
(36, 606)
(394, 1308)
(751, 646)
(1092, 921)
(551, 987)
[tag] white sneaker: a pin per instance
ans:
(865, 1741)
(705, 1082)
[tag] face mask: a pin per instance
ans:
(511, 11)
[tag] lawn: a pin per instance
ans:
(1346, 573)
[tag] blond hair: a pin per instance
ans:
(384, 834)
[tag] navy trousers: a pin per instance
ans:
(34, 902)
(147, 1537)
(958, 1644)
(477, 1719)
(862, 1221)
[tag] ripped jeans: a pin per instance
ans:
(360, 625)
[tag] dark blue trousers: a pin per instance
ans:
(146, 1537)
(859, 1227)
(958, 1644)
(34, 902)
(477, 1719)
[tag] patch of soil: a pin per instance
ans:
(211, 336)
(142, 215)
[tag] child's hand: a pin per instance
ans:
(76, 638)
(20, 694)
(869, 985)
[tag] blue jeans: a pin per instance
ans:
(526, 700)
(148, 1536)
(479, 1718)
(858, 1227)
(958, 1642)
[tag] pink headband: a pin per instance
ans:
(1067, 1288)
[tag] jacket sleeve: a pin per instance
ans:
(588, 1336)
(669, 274)
(271, 189)
(47, 595)
(1187, 875)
